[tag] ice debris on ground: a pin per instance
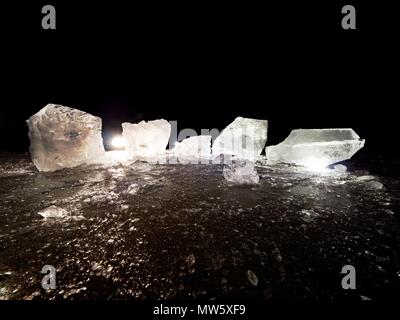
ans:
(370, 182)
(241, 172)
(146, 139)
(63, 137)
(316, 148)
(365, 178)
(133, 189)
(53, 212)
(244, 138)
(251, 276)
(374, 185)
(308, 215)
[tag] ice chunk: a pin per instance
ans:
(53, 212)
(146, 139)
(251, 276)
(308, 215)
(340, 168)
(133, 189)
(370, 182)
(198, 146)
(316, 148)
(365, 178)
(244, 138)
(242, 172)
(375, 185)
(63, 137)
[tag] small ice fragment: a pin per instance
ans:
(4, 275)
(244, 137)
(365, 178)
(133, 189)
(96, 266)
(146, 139)
(375, 185)
(124, 207)
(63, 137)
(251, 276)
(3, 293)
(190, 260)
(53, 212)
(241, 172)
(308, 215)
(316, 147)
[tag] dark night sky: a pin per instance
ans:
(203, 65)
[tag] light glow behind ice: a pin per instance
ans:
(118, 142)
(316, 164)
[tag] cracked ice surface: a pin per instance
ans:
(146, 139)
(63, 137)
(316, 147)
(244, 138)
(182, 232)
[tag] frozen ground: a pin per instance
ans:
(174, 231)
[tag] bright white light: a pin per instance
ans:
(118, 142)
(315, 164)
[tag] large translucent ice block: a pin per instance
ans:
(146, 139)
(63, 137)
(316, 147)
(244, 138)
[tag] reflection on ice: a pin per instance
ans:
(316, 164)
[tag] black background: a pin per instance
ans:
(203, 64)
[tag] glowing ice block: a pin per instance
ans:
(146, 139)
(198, 146)
(63, 137)
(316, 147)
(244, 138)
